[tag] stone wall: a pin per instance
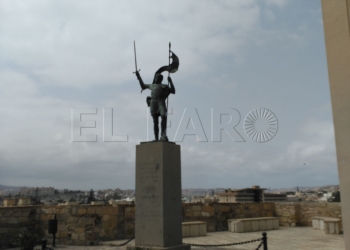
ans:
(14, 220)
(217, 214)
(288, 213)
(301, 213)
(90, 224)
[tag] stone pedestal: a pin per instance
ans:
(158, 215)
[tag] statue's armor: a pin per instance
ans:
(159, 93)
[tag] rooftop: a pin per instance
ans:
(301, 238)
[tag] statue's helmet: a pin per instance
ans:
(158, 78)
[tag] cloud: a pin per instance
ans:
(318, 145)
(279, 3)
(63, 55)
(309, 158)
(312, 155)
(74, 44)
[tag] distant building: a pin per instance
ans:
(8, 192)
(185, 199)
(326, 196)
(275, 197)
(37, 192)
(293, 198)
(249, 195)
(254, 194)
(204, 199)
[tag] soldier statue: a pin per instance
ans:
(159, 94)
(156, 102)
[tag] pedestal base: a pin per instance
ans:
(180, 247)
(158, 212)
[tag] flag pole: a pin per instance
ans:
(167, 101)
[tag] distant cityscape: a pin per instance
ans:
(52, 196)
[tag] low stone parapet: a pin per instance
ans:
(327, 224)
(71, 203)
(97, 203)
(252, 224)
(194, 228)
(10, 202)
(24, 201)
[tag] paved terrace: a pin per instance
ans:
(292, 238)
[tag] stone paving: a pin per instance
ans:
(292, 238)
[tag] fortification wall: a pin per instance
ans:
(14, 220)
(301, 213)
(217, 214)
(90, 224)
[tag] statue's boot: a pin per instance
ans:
(163, 136)
(163, 129)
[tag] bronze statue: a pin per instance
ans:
(159, 94)
(156, 102)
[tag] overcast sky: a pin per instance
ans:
(59, 57)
